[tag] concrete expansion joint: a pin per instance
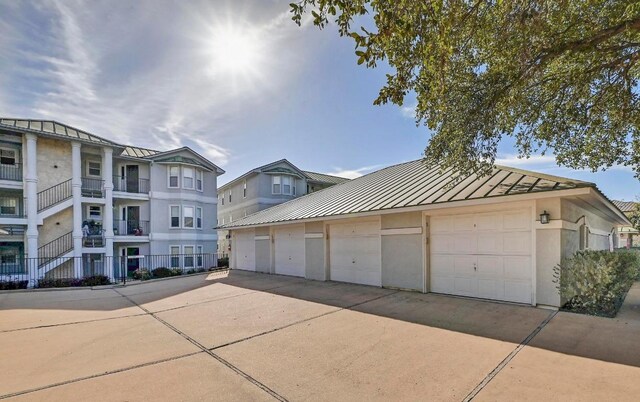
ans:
(509, 357)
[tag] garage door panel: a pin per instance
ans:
(289, 251)
(485, 255)
(245, 246)
(355, 255)
(441, 224)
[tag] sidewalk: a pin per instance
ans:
(630, 310)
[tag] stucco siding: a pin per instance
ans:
(54, 162)
(55, 226)
(600, 228)
(402, 220)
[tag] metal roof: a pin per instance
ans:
(53, 128)
(324, 178)
(138, 152)
(625, 206)
(406, 185)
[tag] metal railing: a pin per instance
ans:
(131, 228)
(129, 185)
(94, 240)
(54, 195)
(55, 248)
(11, 172)
(98, 269)
(93, 188)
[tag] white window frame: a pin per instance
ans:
(191, 255)
(184, 178)
(230, 192)
(201, 218)
(199, 180)
(244, 189)
(282, 181)
(15, 156)
(88, 166)
(169, 176)
(171, 217)
(276, 181)
(199, 256)
(99, 218)
(193, 217)
(222, 198)
(11, 200)
(171, 256)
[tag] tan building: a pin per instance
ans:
(628, 235)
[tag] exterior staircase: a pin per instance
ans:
(54, 199)
(55, 253)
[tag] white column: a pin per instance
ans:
(31, 180)
(76, 186)
(107, 224)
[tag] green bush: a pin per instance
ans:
(176, 272)
(96, 280)
(141, 274)
(11, 285)
(596, 282)
(223, 262)
(162, 272)
(191, 271)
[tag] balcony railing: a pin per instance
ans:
(131, 185)
(11, 172)
(54, 195)
(55, 248)
(93, 188)
(131, 228)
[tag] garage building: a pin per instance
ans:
(411, 226)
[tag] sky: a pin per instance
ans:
(237, 81)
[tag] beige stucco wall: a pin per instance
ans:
(573, 212)
(55, 226)
(52, 153)
(402, 220)
(548, 253)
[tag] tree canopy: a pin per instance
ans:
(558, 76)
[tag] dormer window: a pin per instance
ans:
(187, 177)
(283, 185)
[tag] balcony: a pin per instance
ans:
(92, 188)
(92, 234)
(11, 172)
(131, 185)
(131, 228)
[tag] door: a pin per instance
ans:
(133, 220)
(289, 250)
(132, 177)
(244, 246)
(486, 255)
(130, 259)
(354, 254)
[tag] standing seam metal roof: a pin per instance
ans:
(405, 185)
(324, 178)
(625, 206)
(51, 127)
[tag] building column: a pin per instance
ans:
(76, 188)
(31, 182)
(107, 224)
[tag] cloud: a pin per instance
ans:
(409, 111)
(539, 161)
(353, 173)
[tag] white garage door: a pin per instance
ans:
(485, 255)
(355, 253)
(289, 250)
(244, 243)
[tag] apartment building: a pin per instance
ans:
(264, 187)
(82, 204)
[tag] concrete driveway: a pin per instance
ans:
(245, 336)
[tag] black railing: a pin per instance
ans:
(12, 230)
(11, 172)
(98, 269)
(54, 195)
(11, 207)
(93, 188)
(131, 185)
(55, 248)
(93, 240)
(131, 228)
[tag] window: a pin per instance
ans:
(293, 187)
(199, 175)
(230, 218)
(244, 189)
(188, 256)
(175, 256)
(95, 212)
(10, 261)
(199, 218)
(200, 257)
(223, 221)
(174, 172)
(187, 177)
(175, 216)
(276, 185)
(230, 196)
(187, 217)
(286, 185)
(222, 198)
(8, 156)
(8, 206)
(94, 168)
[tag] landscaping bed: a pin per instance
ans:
(597, 282)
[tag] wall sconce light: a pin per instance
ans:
(544, 218)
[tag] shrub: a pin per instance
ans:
(596, 282)
(96, 280)
(176, 272)
(191, 271)
(11, 285)
(202, 270)
(223, 262)
(162, 272)
(141, 274)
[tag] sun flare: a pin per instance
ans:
(236, 50)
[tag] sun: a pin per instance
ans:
(236, 50)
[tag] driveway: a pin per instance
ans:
(245, 336)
